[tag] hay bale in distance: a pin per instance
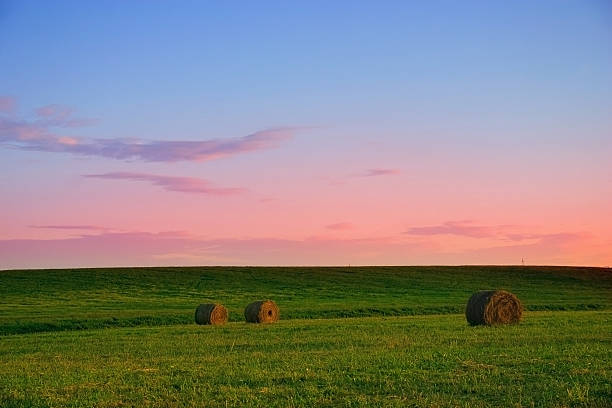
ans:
(262, 311)
(211, 313)
(493, 307)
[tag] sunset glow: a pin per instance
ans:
(234, 141)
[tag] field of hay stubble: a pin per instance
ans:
(54, 352)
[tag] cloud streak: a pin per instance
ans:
(70, 227)
(174, 248)
(500, 232)
(171, 183)
(379, 172)
(7, 104)
(41, 134)
(340, 226)
(461, 228)
(54, 110)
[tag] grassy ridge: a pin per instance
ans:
(55, 300)
(558, 359)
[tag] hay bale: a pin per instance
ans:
(262, 311)
(493, 307)
(211, 313)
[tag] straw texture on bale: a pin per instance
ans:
(493, 307)
(262, 311)
(211, 313)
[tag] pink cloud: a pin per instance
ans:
(180, 248)
(70, 227)
(67, 140)
(54, 110)
(168, 248)
(7, 104)
(339, 226)
(171, 183)
(379, 172)
(59, 116)
(552, 249)
(498, 232)
(39, 135)
(172, 151)
(36, 134)
(462, 228)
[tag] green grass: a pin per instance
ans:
(126, 338)
(552, 359)
(51, 300)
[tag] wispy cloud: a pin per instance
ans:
(171, 183)
(379, 172)
(339, 226)
(40, 134)
(172, 248)
(7, 104)
(564, 248)
(54, 110)
(501, 232)
(462, 228)
(59, 116)
(70, 227)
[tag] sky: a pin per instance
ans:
(305, 133)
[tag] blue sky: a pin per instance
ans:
(205, 64)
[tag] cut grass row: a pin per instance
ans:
(18, 327)
(56, 300)
(552, 359)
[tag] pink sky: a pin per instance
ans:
(268, 198)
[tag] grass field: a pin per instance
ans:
(64, 340)
(45, 300)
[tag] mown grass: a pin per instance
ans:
(53, 300)
(552, 359)
(126, 338)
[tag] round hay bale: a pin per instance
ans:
(493, 307)
(262, 311)
(211, 313)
